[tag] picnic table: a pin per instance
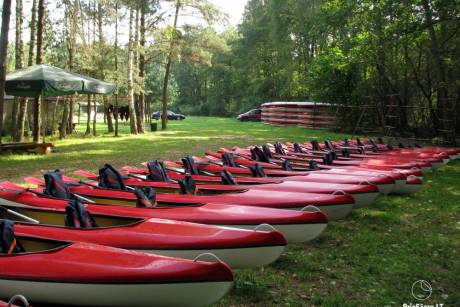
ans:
(32, 147)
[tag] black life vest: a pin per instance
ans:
(286, 165)
(157, 172)
(110, 178)
(259, 155)
(187, 186)
(313, 165)
(279, 149)
(267, 152)
(146, 197)
(227, 178)
(315, 145)
(8, 243)
(297, 148)
(190, 166)
(229, 160)
(257, 171)
(76, 215)
(55, 186)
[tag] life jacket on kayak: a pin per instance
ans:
(315, 145)
(258, 155)
(110, 178)
(257, 170)
(313, 165)
(227, 178)
(188, 185)
(55, 185)
(76, 215)
(228, 160)
(8, 243)
(286, 165)
(189, 165)
(297, 148)
(267, 152)
(279, 149)
(157, 172)
(146, 197)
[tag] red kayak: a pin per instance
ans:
(335, 206)
(237, 247)
(54, 272)
(384, 183)
(386, 161)
(296, 226)
(405, 181)
(363, 195)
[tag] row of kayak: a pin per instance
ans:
(141, 235)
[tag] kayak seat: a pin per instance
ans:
(8, 243)
(110, 178)
(76, 216)
(146, 197)
(55, 185)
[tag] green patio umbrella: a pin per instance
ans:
(47, 80)
(44, 80)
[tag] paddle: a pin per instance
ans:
(146, 179)
(19, 215)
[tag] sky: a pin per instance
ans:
(234, 8)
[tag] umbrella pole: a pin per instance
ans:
(42, 105)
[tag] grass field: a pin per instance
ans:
(371, 258)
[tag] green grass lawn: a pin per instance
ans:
(371, 258)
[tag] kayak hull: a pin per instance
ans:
(296, 233)
(236, 258)
(335, 212)
(94, 294)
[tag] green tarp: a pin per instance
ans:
(52, 81)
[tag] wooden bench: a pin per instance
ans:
(32, 147)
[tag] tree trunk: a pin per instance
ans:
(39, 60)
(141, 101)
(107, 113)
(95, 116)
(116, 69)
(440, 65)
(33, 32)
(88, 116)
(64, 120)
(132, 110)
(6, 13)
(31, 60)
(20, 117)
(164, 117)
